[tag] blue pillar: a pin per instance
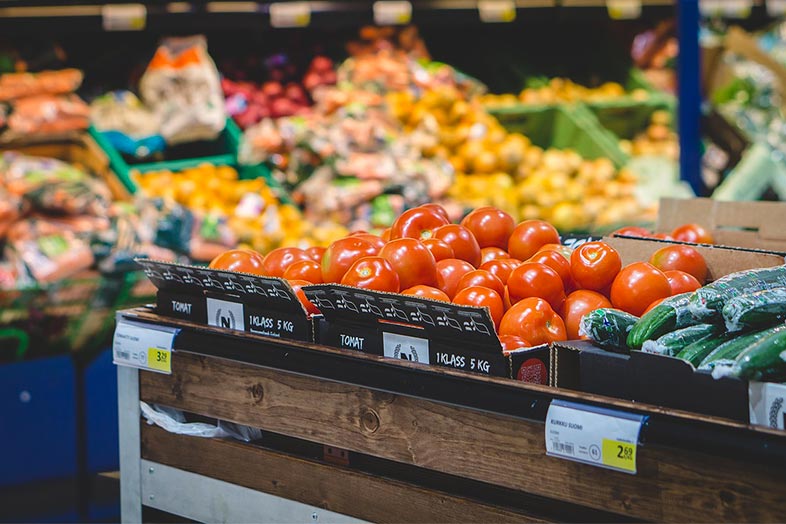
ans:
(689, 93)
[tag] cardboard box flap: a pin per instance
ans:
(440, 319)
(269, 292)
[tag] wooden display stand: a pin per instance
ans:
(407, 443)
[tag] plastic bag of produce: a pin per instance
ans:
(127, 124)
(19, 85)
(182, 86)
(53, 257)
(47, 114)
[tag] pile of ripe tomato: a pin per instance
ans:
(536, 289)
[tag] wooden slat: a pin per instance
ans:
(364, 496)
(671, 485)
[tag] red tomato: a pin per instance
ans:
(506, 299)
(594, 265)
(637, 286)
(654, 304)
(418, 222)
(438, 209)
(512, 343)
(529, 236)
(481, 277)
(565, 251)
(413, 262)
(426, 292)
(491, 227)
(533, 279)
(681, 282)
(632, 231)
(578, 304)
(683, 258)
(372, 273)
(315, 253)
(556, 261)
(278, 260)
(501, 267)
(240, 260)
(461, 241)
(438, 248)
(341, 254)
(301, 295)
(693, 233)
(304, 270)
(492, 253)
(449, 272)
(482, 297)
(385, 235)
(374, 240)
(533, 319)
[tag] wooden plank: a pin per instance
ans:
(363, 496)
(670, 486)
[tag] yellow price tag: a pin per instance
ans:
(159, 359)
(620, 455)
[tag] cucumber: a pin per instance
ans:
(762, 360)
(763, 308)
(607, 327)
(671, 314)
(672, 343)
(698, 351)
(708, 301)
(728, 352)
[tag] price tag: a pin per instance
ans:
(123, 17)
(776, 7)
(726, 8)
(623, 9)
(290, 14)
(391, 12)
(492, 11)
(597, 436)
(144, 346)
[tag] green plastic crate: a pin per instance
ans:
(627, 117)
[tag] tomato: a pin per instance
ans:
(506, 299)
(578, 304)
(565, 251)
(278, 260)
(438, 248)
(449, 272)
(681, 282)
(315, 253)
(341, 254)
(481, 277)
(301, 295)
(594, 265)
(374, 240)
(241, 260)
(533, 279)
(632, 231)
(654, 304)
(492, 227)
(418, 222)
(438, 209)
(372, 273)
(529, 236)
(304, 270)
(693, 233)
(426, 292)
(482, 297)
(637, 286)
(413, 262)
(512, 343)
(385, 235)
(492, 253)
(683, 258)
(534, 320)
(501, 267)
(461, 241)
(556, 261)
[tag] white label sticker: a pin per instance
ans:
(405, 348)
(227, 315)
(491, 11)
(776, 7)
(144, 346)
(290, 14)
(392, 12)
(597, 436)
(728, 8)
(123, 17)
(623, 9)
(767, 404)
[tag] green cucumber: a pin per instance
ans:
(708, 301)
(672, 343)
(667, 316)
(762, 360)
(762, 308)
(607, 328)
(728, 352)
(698, 351)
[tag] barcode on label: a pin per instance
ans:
(562, 447)
(125, 355)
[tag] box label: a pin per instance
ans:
(491, 11)
(405, 348)
(225, 314)
(143, 346)
(597, 436)
(767, 404)
(123, 17)
(623, 9)
(290, 14)
(392, 12)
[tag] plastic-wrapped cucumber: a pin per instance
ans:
(728, 352)
(763, 308)
(708, 301)
(698, 351)
(765, 359)
(672, 343)
(607, 328)
(671, 314)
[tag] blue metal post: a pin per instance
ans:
(689, 93)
